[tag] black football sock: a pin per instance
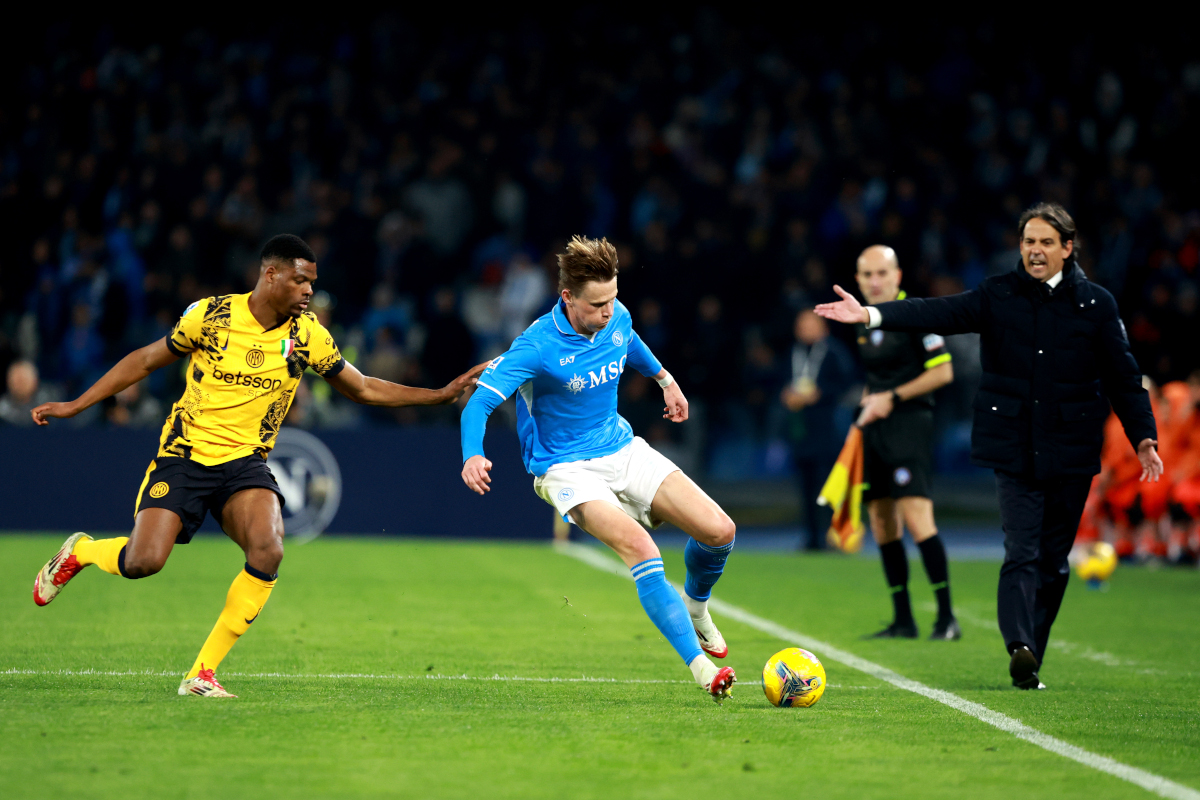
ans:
(895, 570)
(933, 554)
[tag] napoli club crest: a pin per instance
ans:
(617, 338)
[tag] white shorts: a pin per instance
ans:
(628, 479)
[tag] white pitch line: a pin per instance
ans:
(1161, 786)
(365, 676)
(336, 676)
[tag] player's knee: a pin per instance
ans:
(267, 556)
(723, 531)
(883, 534)
(142, 565)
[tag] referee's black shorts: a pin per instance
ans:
(190, 489)
(898, 454)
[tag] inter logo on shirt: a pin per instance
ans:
(255, 358)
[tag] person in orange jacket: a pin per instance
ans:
(1184, 541)
(1134, 508)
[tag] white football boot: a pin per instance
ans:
(203, 685)
(717, 681)
(711, 640)
(58, 570)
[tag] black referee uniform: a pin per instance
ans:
(898, 460)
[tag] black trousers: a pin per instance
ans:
(811, 473)
(1040, 519)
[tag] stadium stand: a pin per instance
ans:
(436, 169)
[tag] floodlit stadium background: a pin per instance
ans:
(437, 167)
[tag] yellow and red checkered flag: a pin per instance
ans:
(843, 492)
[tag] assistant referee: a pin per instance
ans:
(903, 370)
(1054, 355)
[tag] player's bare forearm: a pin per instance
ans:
(928, 381)
(128, 371)
(378, 392)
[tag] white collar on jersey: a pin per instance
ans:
(558, 312)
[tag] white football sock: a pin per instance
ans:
(698, 609)
(703, 670)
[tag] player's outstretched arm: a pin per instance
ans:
(128, 371)
(378, 392)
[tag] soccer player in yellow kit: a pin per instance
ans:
(247, 355)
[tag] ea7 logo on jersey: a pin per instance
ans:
(562, 362)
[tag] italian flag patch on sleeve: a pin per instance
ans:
(286, 346)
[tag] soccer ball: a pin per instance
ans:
(793, 677)
(1097, 563)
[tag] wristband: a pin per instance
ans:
(896, 397)
(665, 380)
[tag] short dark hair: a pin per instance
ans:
(1055, 215)
(287, 247)
(586, 260)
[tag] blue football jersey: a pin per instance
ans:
(566, 387)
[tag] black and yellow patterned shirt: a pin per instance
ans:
(240, 379)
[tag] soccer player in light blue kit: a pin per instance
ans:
(587, 463)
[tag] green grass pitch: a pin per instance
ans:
(1123, 680)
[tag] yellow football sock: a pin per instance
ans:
(104, 553)
(247, 596)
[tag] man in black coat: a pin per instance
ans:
(1054, 355)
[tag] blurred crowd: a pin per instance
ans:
(436, 169)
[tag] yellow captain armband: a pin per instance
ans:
(937, 361)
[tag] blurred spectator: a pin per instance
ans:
(738, 169)
(822, 372)
(82, 350)
(449, 348)
(132, 408)
(24, 394)
(386, 311)
(524, 294)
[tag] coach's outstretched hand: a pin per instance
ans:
(1152, 465)
(475, 474)
(846, 310)
(42, 413)
(455, 388)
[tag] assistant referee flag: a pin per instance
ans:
(843, 492)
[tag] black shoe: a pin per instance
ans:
(947, 631)
(1024, 669)
(896, 631)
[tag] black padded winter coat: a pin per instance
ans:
(1052, 362)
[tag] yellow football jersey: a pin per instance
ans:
(241, 378)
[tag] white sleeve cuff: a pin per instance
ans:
(874, 318)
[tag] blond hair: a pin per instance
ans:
(586, 260)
